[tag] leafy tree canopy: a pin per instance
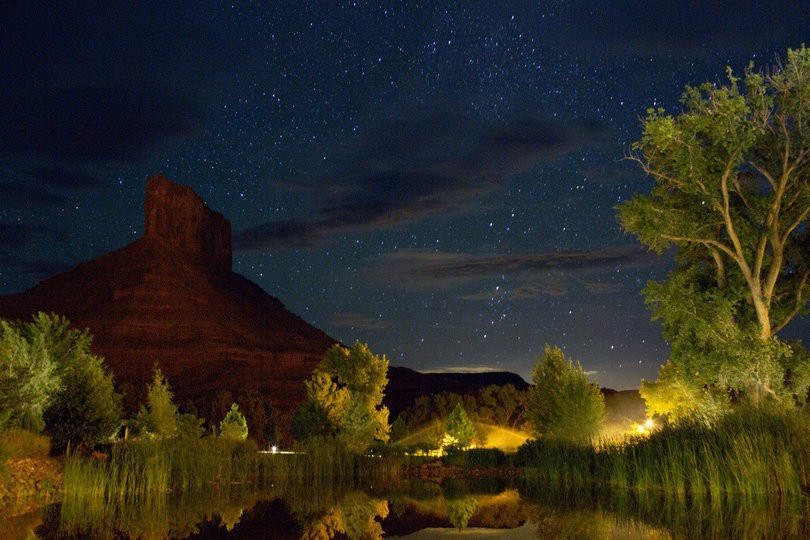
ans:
(51, 380)
(732, 193)
(563, 404)
(346, 390)
(28, 376)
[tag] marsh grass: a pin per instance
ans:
(137, 488)
(749, 453)
(144, 469)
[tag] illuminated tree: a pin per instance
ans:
(28, 378)
(563, 404)
(233, 426)
(50, 380)
(732, 193)
(160, 416)
(460, 510)
(344, 397)
(460, 427)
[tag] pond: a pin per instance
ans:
(413, 509)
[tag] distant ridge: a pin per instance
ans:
(406, 384)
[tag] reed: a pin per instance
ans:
(749, 453)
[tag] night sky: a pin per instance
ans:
(436, 179)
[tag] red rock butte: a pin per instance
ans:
(172, 299)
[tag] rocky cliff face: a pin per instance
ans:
(170, 298)
(177, 215)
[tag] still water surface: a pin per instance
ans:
(411, 509)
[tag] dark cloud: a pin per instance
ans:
(24, 196)
(530, 274)
(415, 168)
(38, 268)
(527, 263)
(16, 236)
(112, 122)
(597, 287)
(535, 289)
(357, 320)
(277, 234)
(17, 256)
(66, 178)
(464, 369)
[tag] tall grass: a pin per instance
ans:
(749, 453)
(138, 470)
(20, 443)
(134, 489)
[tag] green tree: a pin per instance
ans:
(502, 405)
(399, 429)
(732, 193)
(233, 426)
(28, 377)
(190, 426)
(460, 510)
(310, 420)
(159, 417)
(86, 410)
(347, 387)
(61, 386)
(563, 404)
(460, 427)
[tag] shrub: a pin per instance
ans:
(475, 458)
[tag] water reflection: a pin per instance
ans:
(414, 509)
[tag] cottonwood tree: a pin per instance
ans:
(51, 381)
(344, 398)
(86, 410)
(732, 193)
(502, 405)
(28, 378)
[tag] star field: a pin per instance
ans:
(437, 179)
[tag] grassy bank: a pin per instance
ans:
(750, 452)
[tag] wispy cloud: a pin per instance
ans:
(357, 320)
(417, 167)
(463, 369)
(530, 274)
